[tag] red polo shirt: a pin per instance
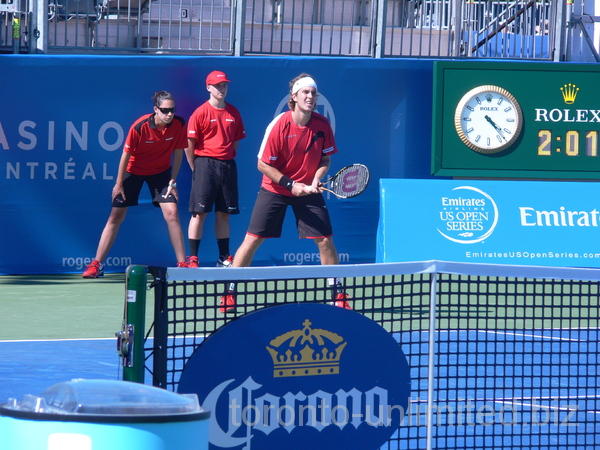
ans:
(151, 148)
(216, 130)
(294, 150)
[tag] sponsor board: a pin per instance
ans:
(300, 376)
(495, 222)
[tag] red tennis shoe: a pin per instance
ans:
(227, 303)
(341, 300)
(94, 270)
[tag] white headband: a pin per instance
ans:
(302, 83)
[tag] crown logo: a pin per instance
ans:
(306, 352)
(489, 97)
(569, 93)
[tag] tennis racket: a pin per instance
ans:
(348, 182)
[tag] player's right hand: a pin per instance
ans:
(118, 190)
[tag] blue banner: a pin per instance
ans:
(494, 222)
(306, 376)
(65, 119)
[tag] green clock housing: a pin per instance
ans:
(521, 120)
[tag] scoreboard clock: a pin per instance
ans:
(515, 120)
(488, 119)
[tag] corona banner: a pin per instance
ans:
(305, 376)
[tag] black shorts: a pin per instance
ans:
(312, 217)
(132, 185)
(214, 183)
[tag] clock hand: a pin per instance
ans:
(496, 127)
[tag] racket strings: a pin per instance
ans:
(351, 181)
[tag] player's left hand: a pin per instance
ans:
(172, 190)
(302, 189)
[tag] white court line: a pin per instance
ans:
(533, 336)
(190, 336)
(524, 402)
(550, 407)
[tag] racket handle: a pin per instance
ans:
(329, 190)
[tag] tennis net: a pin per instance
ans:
(502, 357)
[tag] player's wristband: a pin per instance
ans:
(173, 185)
(286, 182)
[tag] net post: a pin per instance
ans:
(431, 367)
(131, 347)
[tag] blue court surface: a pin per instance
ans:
(29, 367)
(493, 389)
(509, 389)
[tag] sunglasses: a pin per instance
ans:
(166, 110)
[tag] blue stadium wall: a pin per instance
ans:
(64, 119)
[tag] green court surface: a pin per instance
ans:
(60, 306)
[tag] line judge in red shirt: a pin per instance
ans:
(293, 158)
(152, 154)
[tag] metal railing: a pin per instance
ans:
(528, 29)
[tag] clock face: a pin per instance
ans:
(488, 119)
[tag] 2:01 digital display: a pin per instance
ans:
(570, 143)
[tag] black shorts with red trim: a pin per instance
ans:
(312, 217)
(214, 184)
(158, 185)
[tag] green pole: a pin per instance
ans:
(131, 337)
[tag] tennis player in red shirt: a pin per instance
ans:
(214, 132)
(152, 154)
(294, 156)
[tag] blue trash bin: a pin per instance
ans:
(104, 415)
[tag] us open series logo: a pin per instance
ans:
(467, 216)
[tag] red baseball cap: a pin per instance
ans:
(216, 77)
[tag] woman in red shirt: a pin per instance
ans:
(152, 154)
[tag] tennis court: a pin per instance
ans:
(553, 404)
(512, 389)
(515, 358)
(509, 361)
(54, 328)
